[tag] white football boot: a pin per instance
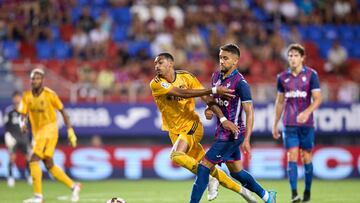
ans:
(212, 188)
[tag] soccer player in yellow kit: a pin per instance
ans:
(40, 105)
(173, 92)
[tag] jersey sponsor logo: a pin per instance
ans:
(296, 94)
(165, 85)
(221, 102)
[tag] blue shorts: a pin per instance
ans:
(224, 151)
(302, 137)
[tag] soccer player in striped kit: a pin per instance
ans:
(297, 98)
(226, 148)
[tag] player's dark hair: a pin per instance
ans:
(297, 47)
(232, 48)
(167, 56)
(16, 93)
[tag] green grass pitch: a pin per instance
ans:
(159, 191)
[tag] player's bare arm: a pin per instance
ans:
(228, 125)
(189, 93)
(279, 107)
(304, 116)
(65, 118)
(249, 112)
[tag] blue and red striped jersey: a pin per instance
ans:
(232, 109)
(297, 91)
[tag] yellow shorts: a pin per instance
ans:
(45, 140)
(192, 136)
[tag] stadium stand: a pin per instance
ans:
(33, 33)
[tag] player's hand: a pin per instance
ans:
(246, 147)
(275, 132)
(72, 137)
(230, 126)
(225, 92)
(302, 117)
(208, 114)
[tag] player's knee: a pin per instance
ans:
(176, 156)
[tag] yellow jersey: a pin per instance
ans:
(41, 109)
(177, 113)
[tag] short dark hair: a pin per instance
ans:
(167, 56)
(296, 47)
(232, 48)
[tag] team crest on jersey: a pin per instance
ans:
(165, 85)
(303, 78)
(287, 80)
(228, 85)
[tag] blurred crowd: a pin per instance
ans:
(107, 46)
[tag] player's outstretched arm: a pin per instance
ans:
(279, 107)
(188, 93)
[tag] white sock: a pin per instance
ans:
(266, 196)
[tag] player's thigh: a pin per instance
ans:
(307, 137)
(217, 151)
(196, 150)
(39, 146)
(50, 147)
(290, 137)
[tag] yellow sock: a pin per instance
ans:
(225, 180)
(185, 161)
(36, 174)
(59, 175)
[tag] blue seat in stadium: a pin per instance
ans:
(44, 49)
(357, 31)
(122, 15)
(55, 32)
(324, 47)
(61, 50)
(303, 32)
(330, 32)
(100, 3)
(346, 32)
(95, 12)
(10, 50)
(134, 47)
(120, 33)
(75, 14)
(83, 2)
(314, 32)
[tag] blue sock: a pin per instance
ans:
(201, 182)
(249, 182)
(308, 175)
(292, 175)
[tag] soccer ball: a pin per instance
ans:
(116, 200)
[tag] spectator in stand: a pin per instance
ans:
(336, 60)
(105, 80)
(99, 41)
(79, 42)
(86, 21)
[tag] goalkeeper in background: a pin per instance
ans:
(14, 138)
(40, 105)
